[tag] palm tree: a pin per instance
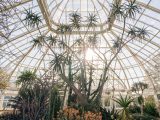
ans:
(124, 102)
(26, 78)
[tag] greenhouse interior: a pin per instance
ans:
(79, 59)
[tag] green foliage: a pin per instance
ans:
(37, 98)
(38, 42)
(92, 20)
(26, 78)
(131, 8)
(127, 10)
(109, 114)
(52, 40)
(93, 40)
(62, 28)
(138, 116)
(117, 10)
(140, 33)
(32, 19)
(75, 20)
(53, 105)
(124, 102)
(150, 109)
(57, 63)
(134, 109)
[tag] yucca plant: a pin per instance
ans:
(124, 102)
(93, 40)
(38, 42)
(75, 20)
(92, 20)
(118, 10)
(32, 19)
(52, 40)
(57, 63)
(131, 8)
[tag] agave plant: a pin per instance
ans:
(32, 19)
(75, 20)
(124, 102)
(92, 20)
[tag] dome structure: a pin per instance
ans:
(135, 62)
(130, 65)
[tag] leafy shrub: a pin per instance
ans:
(143, 117)
(150, 109)
(134, 109)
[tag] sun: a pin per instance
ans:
(90, 54)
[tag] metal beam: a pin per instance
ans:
(148, 6)
(44, 9)
(16, 4)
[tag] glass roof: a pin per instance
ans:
(132, 63)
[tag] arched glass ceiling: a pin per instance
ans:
(131, 65)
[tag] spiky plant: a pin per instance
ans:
(142, 33)
(32, 19)
(131, 8)
(52, 40)
(92, 20)
(75, 20)
(124, 102)
(57, 63)
(132, 32)
(118, 10)
(39, 41)
(93, 40)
